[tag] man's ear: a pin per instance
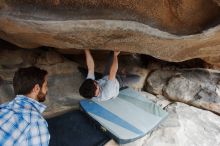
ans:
(36, 88)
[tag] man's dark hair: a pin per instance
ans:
(88, 88)
(26, 78)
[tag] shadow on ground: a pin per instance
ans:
(75, 129)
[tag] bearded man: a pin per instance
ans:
(20, 119)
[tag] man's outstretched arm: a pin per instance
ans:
(114, 67)
(89, 62)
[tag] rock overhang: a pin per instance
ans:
(131, 26)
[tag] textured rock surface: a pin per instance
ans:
(170, 16)
(133, 26)
(213, 60)
(197, 87)
(157, 80)
(217, 1)
(186, 125)
(6, 91)
(63, 81)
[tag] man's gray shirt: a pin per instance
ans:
(108, 88)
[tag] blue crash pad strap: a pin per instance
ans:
(105, 114)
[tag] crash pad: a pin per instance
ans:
(127, 117)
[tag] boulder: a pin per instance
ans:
(186, 125)
(197, 87)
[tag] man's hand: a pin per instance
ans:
(87, 51)
(116, 52)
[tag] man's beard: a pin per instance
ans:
(41, 97)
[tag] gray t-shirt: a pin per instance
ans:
(108, 88)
